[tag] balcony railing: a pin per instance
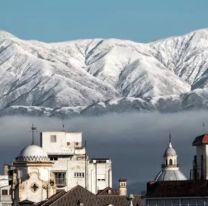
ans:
(60, 182)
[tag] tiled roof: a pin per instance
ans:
(52, 199)
(80, 195)
(187, 188)
(202, 139)
(108, 191)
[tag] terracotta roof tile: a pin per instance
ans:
(202, 139)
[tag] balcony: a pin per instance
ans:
(60, 182)
(60, 178)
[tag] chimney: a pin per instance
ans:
(122, 187)
(6, 169)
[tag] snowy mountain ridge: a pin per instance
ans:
(101, 75)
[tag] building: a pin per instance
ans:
(60, 162)
(200, 162)
(177, 193)
(72, 165)
(170, 168)
(5, 191)
(31, 176)
(79, 196)
(172, 188)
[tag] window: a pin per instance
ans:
(171, 162)
(68, 143)
(53, 138)
(60, 179)
(4, 192)
(79, 174)
(53, 158)
(101, 180)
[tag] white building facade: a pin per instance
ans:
(31, 176)
(200, 163)
(5, 191)
(59, 163)
(72, 166)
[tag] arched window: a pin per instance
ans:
(170, 162)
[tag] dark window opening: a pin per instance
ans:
(4, 192)
(60, 179)
(53, 138)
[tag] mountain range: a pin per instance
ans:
(95, 76)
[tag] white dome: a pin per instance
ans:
(170, 175)
(170, 151)
(32, 153)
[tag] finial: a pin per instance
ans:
(33, 134)
(170, 138)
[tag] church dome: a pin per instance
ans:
(32, 153)
(170, 151)
(170, 175)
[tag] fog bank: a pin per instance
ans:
(134, 141)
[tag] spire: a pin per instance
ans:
(170, 138)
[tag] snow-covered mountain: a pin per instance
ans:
(100, 75)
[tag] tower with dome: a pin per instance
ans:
(32, 179)
(170, 170)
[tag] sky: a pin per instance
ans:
(137, 20)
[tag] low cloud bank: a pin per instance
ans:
(134, 141)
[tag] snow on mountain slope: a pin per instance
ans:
(88, 75)
(35, 75)
(186, 56)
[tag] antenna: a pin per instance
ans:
(63, 125)
(33, 134)
(203, 126)
(85, 144)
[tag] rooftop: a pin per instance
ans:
(202, 139)
(79, 194)
(188, 188)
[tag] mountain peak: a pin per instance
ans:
(5, 35)
(85, 72)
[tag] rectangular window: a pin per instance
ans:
(60, 179)
(53, 158)
(101, 180)
(79, 174)
(53, 138)
(4, 192)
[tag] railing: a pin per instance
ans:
(60, 182)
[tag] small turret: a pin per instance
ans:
(170, 170)
(122, 187)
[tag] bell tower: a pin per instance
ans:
(200, 162)
(170, 156)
